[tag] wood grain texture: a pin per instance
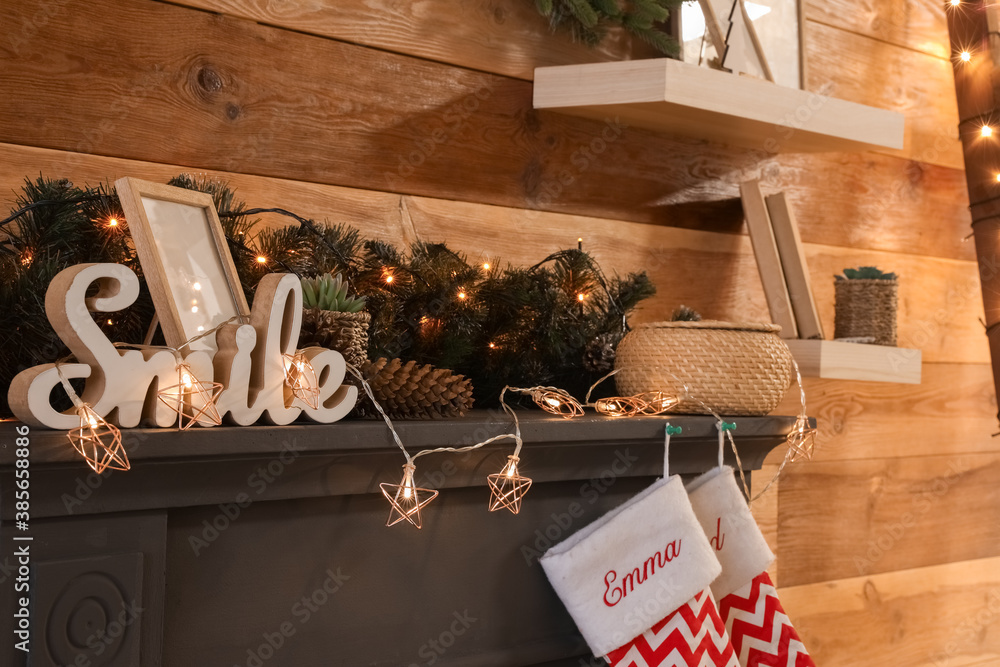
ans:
(508, 38)
(865, 70)
(842, 519)
(765, 508)
(953, 409)
(377, 214)
(676, 259)
(945, 616)
(346, 115)
(915, 24)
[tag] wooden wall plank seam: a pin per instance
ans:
(415, 127)
(943, 615)
(677, 259)
(904, 513)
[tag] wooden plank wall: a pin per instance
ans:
(414, 120)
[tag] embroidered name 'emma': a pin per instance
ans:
(616, 592)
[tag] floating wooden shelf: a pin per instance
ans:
(854, 361)
(671, 96)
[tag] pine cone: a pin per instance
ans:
(599, 354)
(345, 332)
(414, 391)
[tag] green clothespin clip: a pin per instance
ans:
(673, 430)
(727, 426)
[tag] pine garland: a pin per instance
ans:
(588, 20)
(429, 304)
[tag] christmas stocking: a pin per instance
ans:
(636, 583)
(759, 630)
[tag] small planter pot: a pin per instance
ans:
(866, 309)
(345, 332)
(732, 368)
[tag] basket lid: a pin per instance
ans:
(713, 324)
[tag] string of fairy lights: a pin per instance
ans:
(194, 401)
(964, 56)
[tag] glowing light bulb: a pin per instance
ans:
(261, 259)
(186, 380)
(201, 328)
(92, 421)
(389, 278)
(113, 222)
(194, 309)
(580, 297)
(493, 346)
(407, 491)
(956, 3)
(110, 322)
(511, 470)
(196, 286)
(965, 56)
(486, 266)
(461, 295)
(998, 178)
(554, 402)
(986, 131)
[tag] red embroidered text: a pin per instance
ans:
(615, 591)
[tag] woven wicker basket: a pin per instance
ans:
(866, 309)
(345, 332)
(734, 368)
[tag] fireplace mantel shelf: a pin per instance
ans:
(236, 524)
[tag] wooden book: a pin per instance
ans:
(793, 265)
(765, 249)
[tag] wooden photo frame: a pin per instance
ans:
(185, 258)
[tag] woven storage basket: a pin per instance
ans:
(345, 332)
(866, 309)
(735, 368)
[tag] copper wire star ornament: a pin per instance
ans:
(507, 487)
(801, 440)
(98, 442)
(405, 498)
(194, 401)
(300, 378)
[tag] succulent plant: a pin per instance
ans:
(329, 292)
(685, 314)
(865, 273)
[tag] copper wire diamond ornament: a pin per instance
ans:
(405, 498)
(300, 379)
(507, 487)
(801, 441)
(99, 442)
(192, 400)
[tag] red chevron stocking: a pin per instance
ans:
(636, 583)
(692, 635)
(759, 630)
